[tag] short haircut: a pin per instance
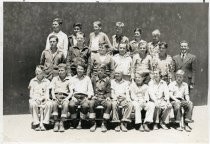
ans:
(39, 68)
(59, 20)
(80, 33)
(82, 64)
(62, 65)
(77, 25)
(164, 44)
(144, 43)
(180, 72)
(103, 44)
(156, 32)
(102, 67)
(97, 23)
(184, 41)
(120, 24)
(53, 36)
(138, 29)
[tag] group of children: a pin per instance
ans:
(133, 75)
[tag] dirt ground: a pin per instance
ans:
(17, 129)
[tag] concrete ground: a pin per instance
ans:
(17, 128)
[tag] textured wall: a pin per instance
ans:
(26, 26)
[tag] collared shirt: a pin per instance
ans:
(153, 49)
(62, 42)
(38, 88)
(166, 66)
(48, 59)
(82, 85)
(116, 40)
(101, 37)
(178, 91)
(139, 93)
(141, 65)
(122, 63)
(134, 45)
(61, 86)
(101, 86)
(99, 60)
(158, 91)
(75, 55)
(120, 89)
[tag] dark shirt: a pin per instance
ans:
(102, 87)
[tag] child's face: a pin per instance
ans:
(80, 39)
(101, 72)
(102, 50)
(96, 28)
(76, 29)
(122, 49)
(119, 30)
(139, 79)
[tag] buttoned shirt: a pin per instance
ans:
(116, 40)
(98, 60)
(178, 91)
(61, 86)
(120, 90)
(101, 86)
(39, 89)
(158, 91)
(101, 37)
(140, 65)
(49, 59)
(122, 63)
(62, 42)
(75, 54)
(139, 93)
(166, 66)
(153, 49)
(82, 85)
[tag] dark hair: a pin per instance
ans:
(53, 36)
(138, 29)
(77, 25)
(164, 44)
(59, 20)
(82, 64)
(62, 65)
(98, 23)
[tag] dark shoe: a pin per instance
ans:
(56, 127)
(146, 128)
(117, 129)
(61, 127)
(79, 125)
(164, 126)
(103, 128)
(37, 128)
(123, 128)
(93, 128)
(155, 127)
(141, 128)
(187, 129)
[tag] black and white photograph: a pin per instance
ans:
(105, 72)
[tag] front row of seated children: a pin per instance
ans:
(160, 101)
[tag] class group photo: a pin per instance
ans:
(105, 72)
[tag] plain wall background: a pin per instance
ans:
(27, 25)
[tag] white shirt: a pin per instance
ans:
(139, 93)
(60, 86)
(178, 91)
(120, 89)
(62, 42)
(158, 91)
(122, 63)
(82, 85)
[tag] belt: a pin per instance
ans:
(94, 51)
(80, 95)
(65, 94)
